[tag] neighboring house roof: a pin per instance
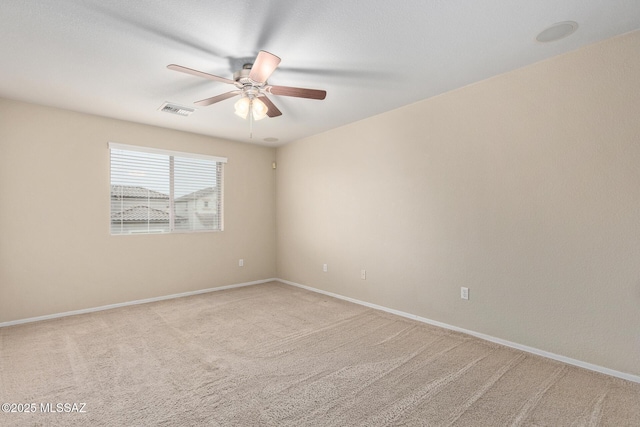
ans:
(131, 191)
(143, 214)
(197, 194)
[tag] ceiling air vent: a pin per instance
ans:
(176, 109)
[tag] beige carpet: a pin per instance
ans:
(275, 355)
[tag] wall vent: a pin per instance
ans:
(176, 109)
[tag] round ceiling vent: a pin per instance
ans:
(557, 31)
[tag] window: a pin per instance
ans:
(159, 191)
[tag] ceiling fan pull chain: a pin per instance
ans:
(251, 119)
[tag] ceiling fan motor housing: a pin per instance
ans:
(242, 78)
(250, 88)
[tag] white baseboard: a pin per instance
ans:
(136, 302)
(485, 337)
(532, 350)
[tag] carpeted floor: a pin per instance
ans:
(275, 355)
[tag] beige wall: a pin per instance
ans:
(524, 188)
(56, 253)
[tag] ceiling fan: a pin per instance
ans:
(252, 87)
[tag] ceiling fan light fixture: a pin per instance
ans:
(242, 107)
(245, 104)
(258, 109)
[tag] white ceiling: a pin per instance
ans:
(109, 57)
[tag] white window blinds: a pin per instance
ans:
(159, 191)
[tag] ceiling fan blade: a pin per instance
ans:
(272, 109)
(217, 98)
(297, 92)
(197, 73)
(264, 66)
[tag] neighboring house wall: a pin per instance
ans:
(199, 208)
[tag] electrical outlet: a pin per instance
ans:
(241, 263)
(464, 293)
(325, 268)
(363, 274)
